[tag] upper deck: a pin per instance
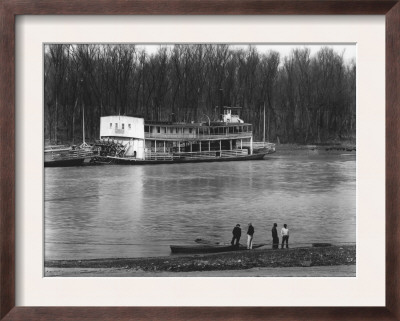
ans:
(196, 131)
(128, 128)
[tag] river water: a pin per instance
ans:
(138, 211)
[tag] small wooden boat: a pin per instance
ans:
(212, 248)
(321, 244)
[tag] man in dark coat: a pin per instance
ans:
(275, 238)
(237, 233)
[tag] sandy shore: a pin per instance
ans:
(261, 262)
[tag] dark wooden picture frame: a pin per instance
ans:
(9, 9)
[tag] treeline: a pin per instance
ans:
(307, 99)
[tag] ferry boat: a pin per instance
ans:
(157, 142)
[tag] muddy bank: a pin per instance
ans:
(297, 257)
(311, 271)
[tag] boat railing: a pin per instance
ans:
(260, 145)
(263, 145)
(234, 152)
(158, 156)
(56, 148)
(212, 154)
(188, 136)
(151, 155)
(70, 154)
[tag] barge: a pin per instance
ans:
(66, 156)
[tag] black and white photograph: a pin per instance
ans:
(199, 160)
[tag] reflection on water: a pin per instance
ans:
(131, 211)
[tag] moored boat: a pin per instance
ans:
(134, 141)
(66, 156)
(212, 248)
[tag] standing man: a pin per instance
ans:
(237, 233)
(275, 238)
(285, 235)
(250, 233)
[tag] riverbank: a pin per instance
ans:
(311, 271)
(342, 147)
(301, 258)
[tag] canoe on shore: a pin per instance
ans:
(212, 248)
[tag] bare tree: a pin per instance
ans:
(307, 98)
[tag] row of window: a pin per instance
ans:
(165, 130)
(205, 130)
(172, 130)
(123, 126)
